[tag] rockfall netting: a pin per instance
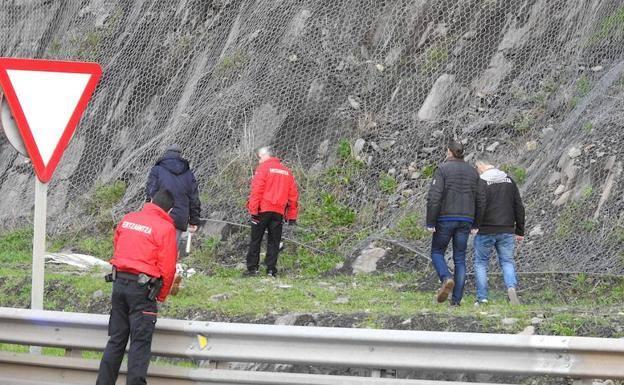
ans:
(359, 98)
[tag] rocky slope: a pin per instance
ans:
(533, 84)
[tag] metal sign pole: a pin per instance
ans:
(39, 244)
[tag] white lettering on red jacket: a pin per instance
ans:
(136, 227)
(278, 171)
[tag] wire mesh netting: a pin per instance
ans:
(358, 97)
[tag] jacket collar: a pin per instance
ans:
(272, 160)
(150, 208)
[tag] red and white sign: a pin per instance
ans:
(47, 99)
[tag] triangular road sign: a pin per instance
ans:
(47, 99)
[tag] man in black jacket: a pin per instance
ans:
(501, 227)
(172, 172)
(454, 209)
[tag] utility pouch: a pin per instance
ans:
(143, 280)
(111, 277)
(155, 284)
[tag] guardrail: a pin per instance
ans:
(574, 357)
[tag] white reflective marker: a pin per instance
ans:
(48, 100)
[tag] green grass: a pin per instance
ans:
(517, 173)
(436, 56)
(610, 28)
(409, 227)
(523, 122)
(582, 86)
(302, 288)
(108, 195)
(344, 149)
(387, 183)
(588, 127)
(232, 63)
(429, 170)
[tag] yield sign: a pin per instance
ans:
(47, 99)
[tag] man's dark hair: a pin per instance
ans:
(163, 199)
(456, 148)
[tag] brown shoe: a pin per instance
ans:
(513, 296)
(445, 290)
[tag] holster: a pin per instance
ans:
(155, 284)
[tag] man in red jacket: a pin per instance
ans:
(144, 257)
(272, 200)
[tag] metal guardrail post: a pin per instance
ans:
(208, 364)
(73, 353)
(383, 373)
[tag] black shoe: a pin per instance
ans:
(250, 273)
(455, 304)
(272, 273)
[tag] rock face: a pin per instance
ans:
(436, 101)
(221, 78)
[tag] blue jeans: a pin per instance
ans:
(458, 231)
(504, 245)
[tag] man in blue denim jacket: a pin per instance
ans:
(501, 227)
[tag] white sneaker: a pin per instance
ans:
(481, 302)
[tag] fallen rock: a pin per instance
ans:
(354, 103)
(219, 297)
(563, 199)
(366, 262)
(536, 231)
(380, 67)
(287, 319)
(528, 331)
(597, 68)
(548, 130)
(341, 300)
(415, 175)
(536, 320)
(387, 144)
(531, 146)
(492, 147)
(358, 146)
(574, 152)
(509, 321)
(560, 189)
(323, 148)
(554, 178)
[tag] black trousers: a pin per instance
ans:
(273, 223)
(132, 315)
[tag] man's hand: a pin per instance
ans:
(255, 219)
(519, 238)
(431, 229)
(474, 231)
(192, 228)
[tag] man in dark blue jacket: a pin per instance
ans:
(172, 172)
